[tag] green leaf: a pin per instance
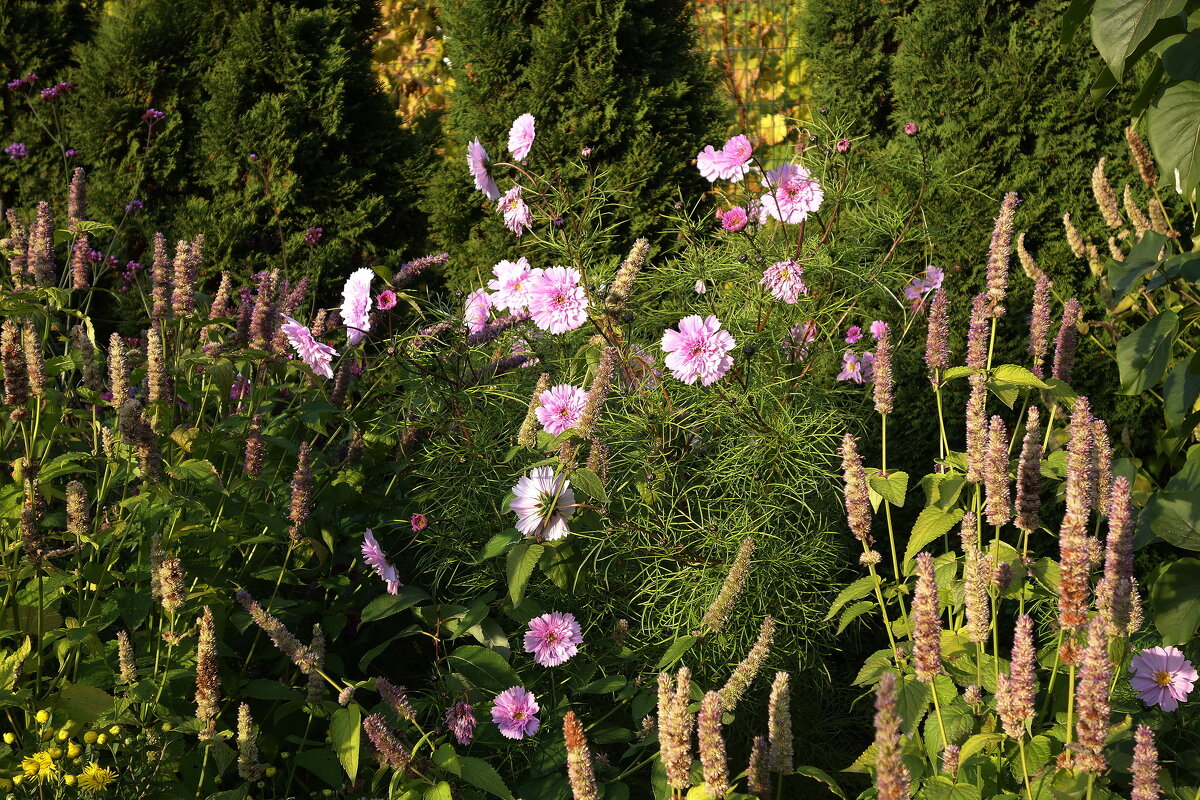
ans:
(818, 774)
(1141, 260)
(474, 771)
(344, 731)
(912, 701)
(939, 787)
(1182, 59)
(263, 689)
(853, 612)
(1180, 390)
(84, 703)
(1120, 26)
(978, 743)
(675, 652)
(1076, 13)
(1150, 87)
(1175, 517)
(484, 668)
(1173, 126)
(605, 685)
(10, 666)
(893, 488)
(1018, 376)
(589, 483)
(498, 544)
(876, 664)
(439, 792)
(956, 372)
(521, 561)
(1143, 355)
(1175, 597)
(931, 523)
(387, 604)
(860, 588)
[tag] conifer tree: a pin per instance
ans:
(622, 78)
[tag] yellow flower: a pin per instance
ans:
(271, 772)
(73, 750)
(69, 779)
(96, 779)
(40, 766)
(10, 738)
(115, 730)
(90, 737)
(55, 752)
(102, 739)
(42, 716)
(16, 779)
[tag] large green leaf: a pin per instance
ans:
(1175, 517)
(474, 771)
(387, 604)
(344, 733)
(855, 591)
(1142, 259)
(821, 775)
(522, 558)
(1173, 125)
(1143, 355)
(484, 668)
(1077, 12)
(1175, 597)
(892, 488)
(675, 651)
(1181, 389)
(931, 523)
(1119, 27)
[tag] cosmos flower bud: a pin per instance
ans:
(745, 671)
(208, 675)
(712, 746)
(892, 779)
(731, 589)
(580, 773)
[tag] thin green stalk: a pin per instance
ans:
(1070, 704)
(887, 512)
(1025, 768)
(937, 707)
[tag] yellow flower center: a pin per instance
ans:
(1163, 679)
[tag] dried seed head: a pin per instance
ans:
(208, 675)
(1106, 199)
(1142, 157)
(173, 583)
(731, 589)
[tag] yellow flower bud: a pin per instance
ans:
(42, 716)
(73, 750)
(167, 727)
(47, 735)
(56, 752)
(115, 730)
(93, 587)
(102, 739)
(90, 737)
(69, 779)
(271, 771)
(10, 738)
(63, 735)
(16, 779)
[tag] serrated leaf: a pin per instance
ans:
(853, 612)
(387, 604)
(977, 743)
(818, 774)
(521, 561)
(1142, 356)
(498, 544)
(956, 372)
(589, 483)
(931, 523)
(1018, 376)
(1173, 125)
(913, 699)
(484, 668)
(344, 733)
(876, 664)
(892, 488)
(675, 652)
(860, 588)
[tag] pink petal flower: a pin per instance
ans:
(878, 328)
(520, 136)
(1162, 677)
(511, 288)
(853, 334)
(418, 522)
(557, 301)
(710, 162)
(385, 300)
(737, 152)
(698, 350)
(785, 281)
(477, 307)
(356, 305)
(792, 194)
(517, 216)
(553, 638)
(514, 712)
(561, 408)
(477, 159)
(734, 219)
(317, 355)
(374, 556)
(543, 502)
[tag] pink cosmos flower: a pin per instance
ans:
(419, 522)
(513, 712)
(792, 194)
(868, 366)
(700, 288)
(843, 145)
(737, 152)
(561, 408)
(557, 301)
(785, 281)
(373, 555)
(520, 137)
(910, 129)
(553, 638)
(477, 159)
(477, 307)
(852, 368)
(356, 305)
(800, 336)
(1162, 677)
(385, 300)
(511, 287)
(699, 349)
(317, 355)
(517, 216)
(460, 719)
(543, 502)
(710, 162)
(853, 334)
(878, 328)
(734, 219)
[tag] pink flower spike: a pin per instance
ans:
(785, 281)
(478, 304)
(878, 328)
(356, 305)
(477, 159)
(514, 713)
(557, 301)
(853, 334)
(543, 501)
(698, 350)
(520, 137)
(1162, 677)
(517, 216)
(373, 555)
(385, 300)
(317, 355)
(553, 638)
(734, 219)
(511, 287)
(561, 408)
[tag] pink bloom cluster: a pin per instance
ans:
(460, 719)
(854, 333)
(543, 502)
(561, 408)
(800, 336)
(792, 194)
(734, 219)
(514, 712)
(511, 288)
(785, 281)
(728, 163)
(356, 305)
(374, 556)
(553, 638)
(317, 355)
(1162, 677)
(928, 281)
(557, 301)
(698, 350)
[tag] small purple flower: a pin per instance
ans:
(460, 719)
(70, 153)
(313, 235)
(419, 522)
(17, 150)
(64, 87)
(878, 328)
(852, 368)
(153, 115)
(928, 281)
(49, 94)
(853, 334)
(514, 712)
(385, 300)
(15, 84)
(253, 156)
(133, 206)
(843, 146)
(734, 219)
(240, 388)
(910, 129)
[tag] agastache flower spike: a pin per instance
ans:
(675, 727)
(1106, 199)
(221, 305)
(950, 759)
(35, 363)
(303, 657)
(1064, 344)
(39, 253)
(883, 373)
(1016, 691)
(892, 779)
(927, 622)
(156, 370)
(1074, 240)
(1039, 324)
(160, 280)
(527, 436)
(1141, 223)
(580, 774)
(1081, 462)
(748, 668)
(1029, 474)
(302, 488)
(999, 253)
(396, 698)
(1113, 594)
(1030, 267)
(247, 741)
(126, 658)
(16, 376)
(779, 726)
(187, 267)
(622, 285)
(598, 391)
(255, 447)
(995, 474)
(81, 263)
(937, 351)
(975, 580)
(758, 778)
(1103, 465)
(731, 589)
(1091, 701)
(208, 675)
(712, 746)
(316, 682)
(1145, 762)
(391, 751)
(858, 502)
(1144, 161)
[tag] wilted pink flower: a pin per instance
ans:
(356, 305)
(878, 328)
(520, 136)
(553, 638)
(910, 129)
(700, 288)
(853, 334)
(419, 522)
(373, 555)
(543, 502)
(785, 281)
(511, 288)
(460, 719)
(843, 145)
(792, 194)
(317, 355)
(517, 216)
(513, 712)
(557, 301)
(1162, 677)
(561, 408)
(799, 337)
(734, 219)
(477, 307)
(853, 368)
(699, 349)
(477, 159)
(385, 300)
